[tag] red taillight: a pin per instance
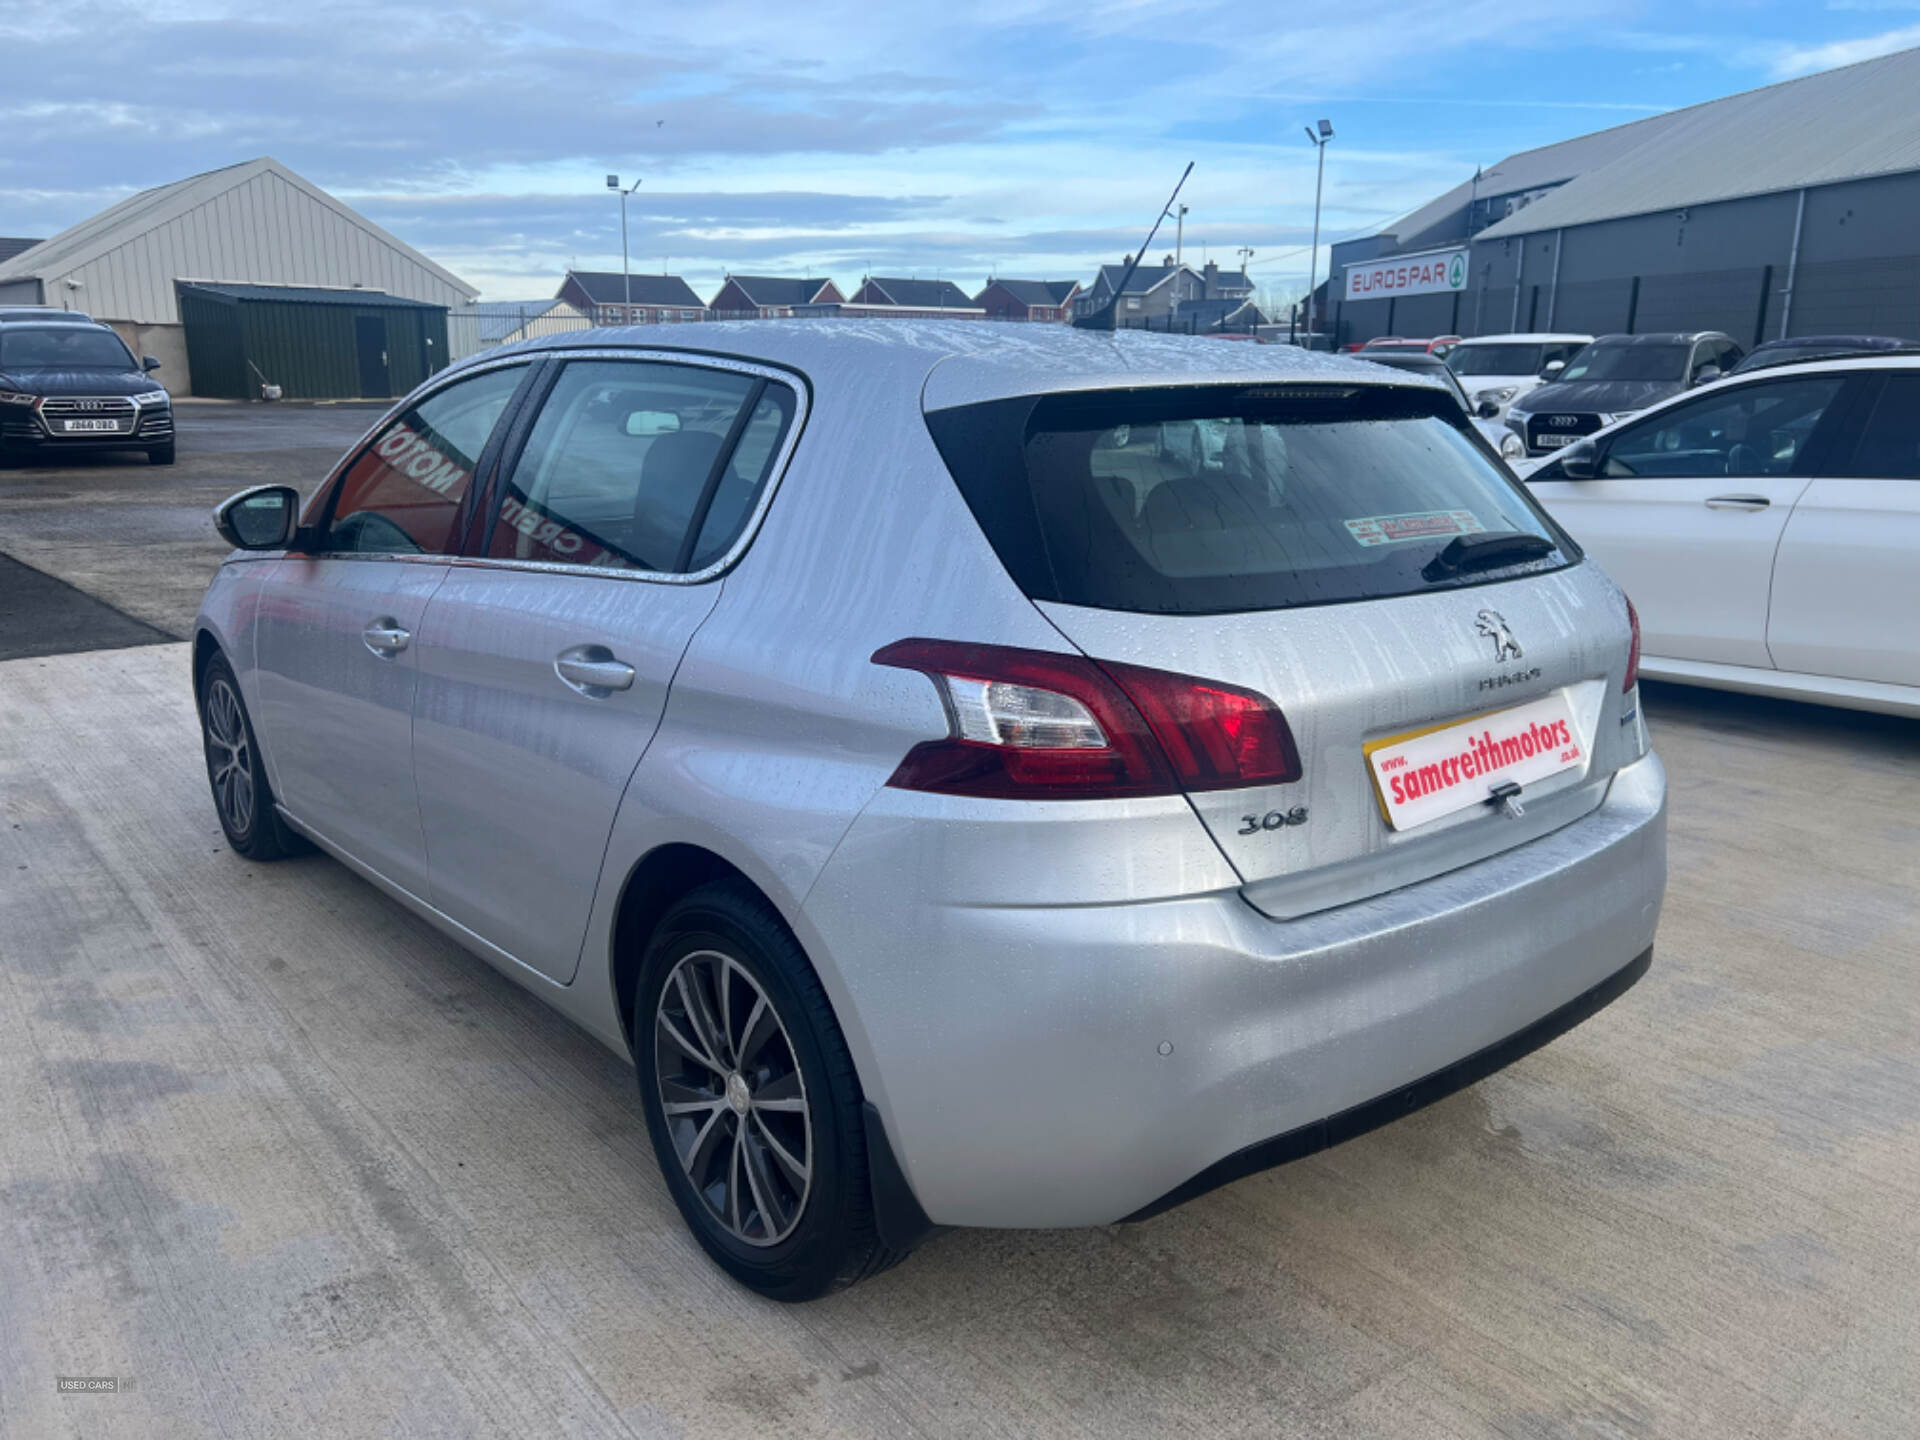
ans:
(1633, 648)
(1030, 724)
(1218, 737)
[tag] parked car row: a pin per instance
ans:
(1768, 528)
(69, 383)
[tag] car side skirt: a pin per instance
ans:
(1787, 685)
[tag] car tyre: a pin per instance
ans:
(777, 1192)
(242, 798)
(160, 454)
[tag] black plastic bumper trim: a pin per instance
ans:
(897, 1215)
(1324, 1134)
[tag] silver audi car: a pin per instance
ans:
(989, 775)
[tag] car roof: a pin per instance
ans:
(1857, 342)
(40, 314)
(1527, 337)
(1662, 337)
(60, 325)
(1407, 359)
(962, 362)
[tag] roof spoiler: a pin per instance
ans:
(1103, 318)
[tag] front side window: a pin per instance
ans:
(1889, 444)
(400, 497)
(623, 469)
(1211, 499)
(1748, 430)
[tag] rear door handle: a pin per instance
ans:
(593, 671)
(386, 637)
(1738, 502)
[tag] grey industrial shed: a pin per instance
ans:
(313, 342)
(1788, 210)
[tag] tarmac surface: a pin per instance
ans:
(139, 538)
(285, 1161)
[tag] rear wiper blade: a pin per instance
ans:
(1486, 551)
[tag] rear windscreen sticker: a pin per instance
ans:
(1416, 525)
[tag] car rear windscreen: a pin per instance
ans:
(1205, 500)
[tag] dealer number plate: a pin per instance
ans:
(90, 427)
(1424, 775)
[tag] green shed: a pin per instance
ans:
(314, 342)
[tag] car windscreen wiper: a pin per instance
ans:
(1486, 551)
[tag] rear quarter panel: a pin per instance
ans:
(779, 728)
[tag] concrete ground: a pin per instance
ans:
(139, 537)
(287, 1162)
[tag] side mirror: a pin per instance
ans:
(263, 518)
(1553, 368)
(1487, 410)
(1580, 462)
(1706, 375)
(149, 364)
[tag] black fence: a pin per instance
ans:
(1188, 325)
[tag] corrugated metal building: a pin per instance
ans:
(1788, 210)
(252, 223)
(311, 342)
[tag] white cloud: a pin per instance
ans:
(1805, 60)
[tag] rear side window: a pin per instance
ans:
(1216, 499)
(400, 497)
(1889, 444)
(638, 465)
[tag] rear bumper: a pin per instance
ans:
(1072, 1065)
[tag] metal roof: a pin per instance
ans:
(12, 245)
(1847, 124)
(149, 209)
(306, 295)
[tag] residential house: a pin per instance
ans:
(1152, 292)
(1034, 300)
(1155, 293)
(911, 300)
(770, 297)
(612, 297)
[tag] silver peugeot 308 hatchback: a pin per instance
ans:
(981, 775)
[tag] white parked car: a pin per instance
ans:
(1768, 529)
(1495, 370)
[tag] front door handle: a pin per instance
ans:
(386, 637)
(593, 671)
(1738, 502)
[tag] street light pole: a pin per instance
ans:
(626, 275)
(1313, 258)
(1179, 237)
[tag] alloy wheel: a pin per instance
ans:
(734, 1100)
(229, 757)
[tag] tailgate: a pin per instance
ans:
(1380, 674)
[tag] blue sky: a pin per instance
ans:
(1018, 137)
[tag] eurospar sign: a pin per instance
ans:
(1440, 273)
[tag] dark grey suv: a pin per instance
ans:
(1614, 376)
(67, 387)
